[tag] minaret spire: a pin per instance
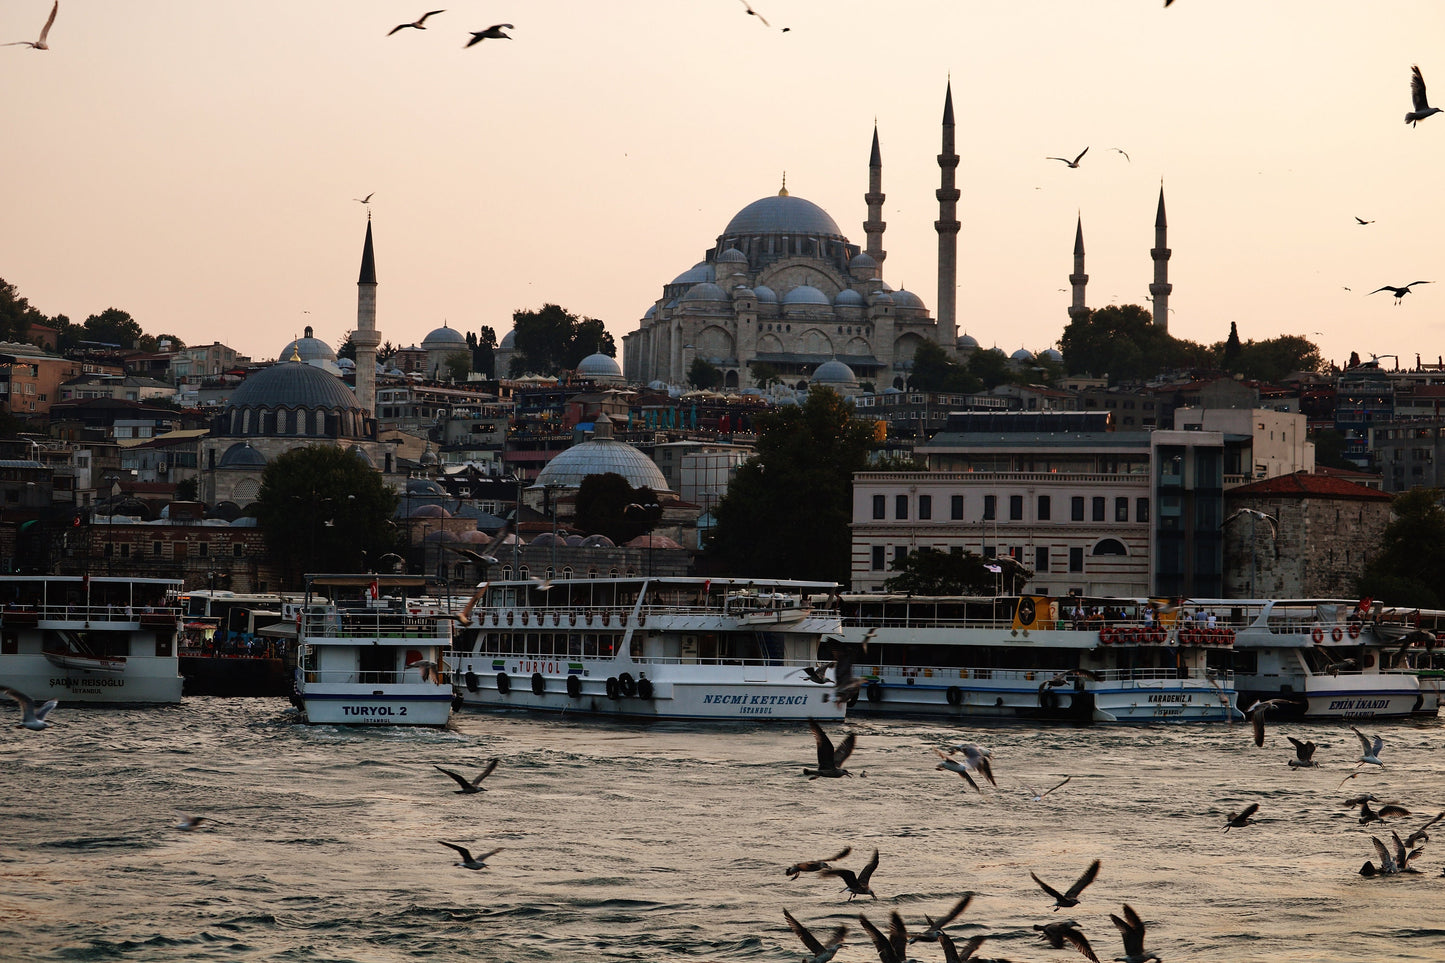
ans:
(1161, 287)
(947, 227)
(365, 338)
(1078, 311)
(874, 226)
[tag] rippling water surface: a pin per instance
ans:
(663, 842)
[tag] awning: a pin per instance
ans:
(278, 630)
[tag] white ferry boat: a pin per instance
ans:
(660, 648)
(1077, 660)
(1324, 655)
(365, 658)
(82, 639)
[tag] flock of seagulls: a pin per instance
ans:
(494, 32)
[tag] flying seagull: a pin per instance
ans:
(1066, 931)
(468, 860)
(1419, 835)
(1387, 811)
(430, 671)
(189, 823)
(418, 24)
(830, 761)
(1071, 163)
(856, 885)
(1131, 928)
(31, 716)
(1417, 94)
(935, 926)
(1071, 898)
(1037, 796)
(1244, 817)
(1120, 150)
(1256, 713)
(754, 13)
(366, 199)
(976, 758)
(1398, 292)
(953, 765)
(1369, 751)
(494, 32)
(1361, 221)
(45, 32)
(469, 786)
(822, 950)
(815, 865)
(1304, 754)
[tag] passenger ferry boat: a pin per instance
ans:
(1076, 660)
(368, 659)
(658, 648)
(82, 639)
(1326, 656)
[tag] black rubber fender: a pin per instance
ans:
(627, 685)
(539, 684)
(954, 695)
(504, 683)
(644, 688)
(574, 686)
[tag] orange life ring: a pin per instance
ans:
(525, 616)
(1106, 635)
(606, 618)
(510, 616)
(1318, 634)
(1336, 634)
(573, 617)
(1158, 636)
(622, 619)
(1228, 637)
(1354, 630)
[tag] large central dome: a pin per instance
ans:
(782, 214)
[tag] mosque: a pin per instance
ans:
(782, 288)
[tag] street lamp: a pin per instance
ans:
(649, 515)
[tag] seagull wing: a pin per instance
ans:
(1376, 746)
(1391, 811)
(1064, 159)
(462, 781)
(898, 935)
(849, 878)
(868, 869)
(492, 764)
(1377, 291)
(808, 939)
(45, 30)
(849, 849)
(1059, 786)
(1077, 940)
(1413, 283)
(466, 855)
(429, 13)
(1364, 740)
(844, 750)
(1387, 862)
(824, 744)
(950, 952)
(1086, 879)
(400, 26)
(1248, 811)
(1058, 897)
(953, 914)
(1257, 720)
(1417, 86)
(1303, 750)
(1076, 160)
(1420, 833)
(880, 942)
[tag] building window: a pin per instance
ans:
(1076, 508)
(900, 552)
(203, 549)
(1044, 508)
(878, 558)
(880, 507)
(1121, 509)
(900, 506)
(125, 550)
(1076, 560)
(1016, 508)
(1041, 559)
(1099, 508)
(238, 549)
(955, 508)
(156, 549)
(1141, 509)
(990, 503)
(925, 508)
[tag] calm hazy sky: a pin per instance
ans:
(195, 163)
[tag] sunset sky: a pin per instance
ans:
(195, 163)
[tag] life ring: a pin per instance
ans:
(1228, 637)
(510, 615)
(1156, 636)
(526, 615)
(471, 678)
(627, 685)
(539, 684)
(1048, 698)
(606, 618)
(1107, 635)
(644, 688)
(612, 692)
(1318, 634)
(1336, 633)
(1354, 630)
(574, 685)
(875, 692)
(587, 617)
(954, 695)
(641, 619)
(573, 617)
(504, 684)
(622, 619)
(556, 618)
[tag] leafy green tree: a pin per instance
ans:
(928, 571)
(990, 368)
(1273, 359)
(764, 374)
(1232, 350)
(789, 509)
(1330, 449)
(458, 365)
(702, 373)
(16, 314)
(1411, 563)
(347, 348)
(321, 509)
(484, 351)
(934, 371)
(114, 326)
(187, 490)
(1117, 341)
(551, 340)
(601, 507)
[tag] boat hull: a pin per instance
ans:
(1372, 696)
(330, 705)
(145, 681)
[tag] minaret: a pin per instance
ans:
(1160, 253)
(873, 227)
(1078, 311)
(947, 228)
(365, 338)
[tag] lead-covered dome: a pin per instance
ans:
(805, 294)
(293, 384)
(293, 399)
(598, 366)
(307, 348)
(835, 372)
(600, 456)
(444, 337)
(782, 214)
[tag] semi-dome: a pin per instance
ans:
(834, 372)
(598, 366)
(697, 274)
(424, 486)
(307, 348)
(706, 291)
(782, 214)
(600, 456)
(732, 256)
(444, 337)
(765, 294)
(848, 298)
(356, 451)
(805, 294)
(242, 455)
(293, 384)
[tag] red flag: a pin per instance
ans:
(374, 589)
(1365, 604)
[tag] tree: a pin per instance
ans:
(601, 507)
(1273, 359)
(1117, 341)
(704, 374)
(347, 347)
(789, 509)
(484, 351)
(934, 371)
(1330, 449)
(16, 314)
(1232, 349)
(187, 489)
(764, 374)
(552, 340)
(928, 571)
(1411, 562)
(321, 509)
(990, 368)
(114, 326)
(458, 365)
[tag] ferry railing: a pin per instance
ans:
(381, 625)
(92, 613)
(938, 674)
(371, 677)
